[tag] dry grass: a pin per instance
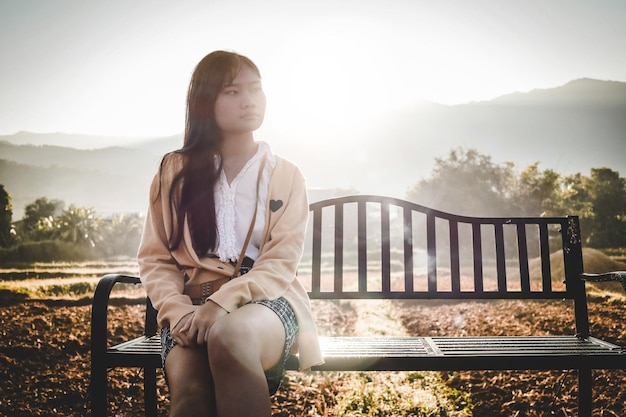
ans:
(419, 394)
(65, 280)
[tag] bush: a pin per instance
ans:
(46, 251)
(75, 289)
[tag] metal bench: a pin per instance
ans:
(372, 247)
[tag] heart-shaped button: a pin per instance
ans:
(275, 205)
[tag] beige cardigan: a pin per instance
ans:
(274, 272)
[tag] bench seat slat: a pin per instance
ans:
(471, 353)
(442, 346)
(403, 353)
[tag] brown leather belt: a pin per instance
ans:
(200, 293)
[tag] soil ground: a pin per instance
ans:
(44, 358)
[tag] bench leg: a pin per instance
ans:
(585, 405)
(98, 391)
(149, 392)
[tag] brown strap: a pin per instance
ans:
(251, 228)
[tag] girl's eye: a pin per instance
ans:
(230, 92)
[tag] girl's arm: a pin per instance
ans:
(158, 269)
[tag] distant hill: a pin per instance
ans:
(68, 140)
(571, 128)
(107, 192)
(557, 127)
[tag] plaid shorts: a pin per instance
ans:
(273, 375)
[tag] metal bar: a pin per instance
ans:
(151, 326)
(585, 397)
(455, 263)
(439, 295)
(500, 257)
(522, 247)
(408, 250)
(431, 244)
(385, 246)
(362, 244)
(546, 272)
(573, 258)
(338, 282)
(478, 256)
(150, 392)
(316, 255)
(99, 333)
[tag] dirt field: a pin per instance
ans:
(44, 359)
(44, 355)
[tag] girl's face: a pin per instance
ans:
(240, 106)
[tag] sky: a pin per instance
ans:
(113, 67)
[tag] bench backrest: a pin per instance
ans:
(368, 247)
(373, 247)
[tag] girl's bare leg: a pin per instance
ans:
(190, 382)
(241, 346)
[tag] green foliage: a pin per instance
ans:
(600, 201)
(535, 192)
(74, 289)
(80, 234)
(6, 216)
(38, 220)
(466, 183)
(78, 225)
(469, 183)
(608, 196)
(120, 235)
(45, 251)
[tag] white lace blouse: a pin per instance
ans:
(235, 206)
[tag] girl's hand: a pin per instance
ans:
(203, 319)
(181, 333)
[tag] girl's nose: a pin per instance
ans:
(247, 101)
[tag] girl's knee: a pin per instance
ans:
(229, 341)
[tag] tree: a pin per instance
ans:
(600, 202)
(574, 197)
(467, 183)
(6, 217)
(37, 223)
(536, 192)
(607, 192)
(470, 183)
(78, 225)
(121, 235)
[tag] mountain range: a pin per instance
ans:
(570, 129)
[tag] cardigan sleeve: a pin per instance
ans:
(275, 269)
(159, 271)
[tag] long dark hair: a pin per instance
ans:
(192, 192)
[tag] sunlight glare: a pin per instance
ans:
(328, 80)
(333, 78)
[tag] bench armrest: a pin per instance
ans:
(100, 307)
(619, 276)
